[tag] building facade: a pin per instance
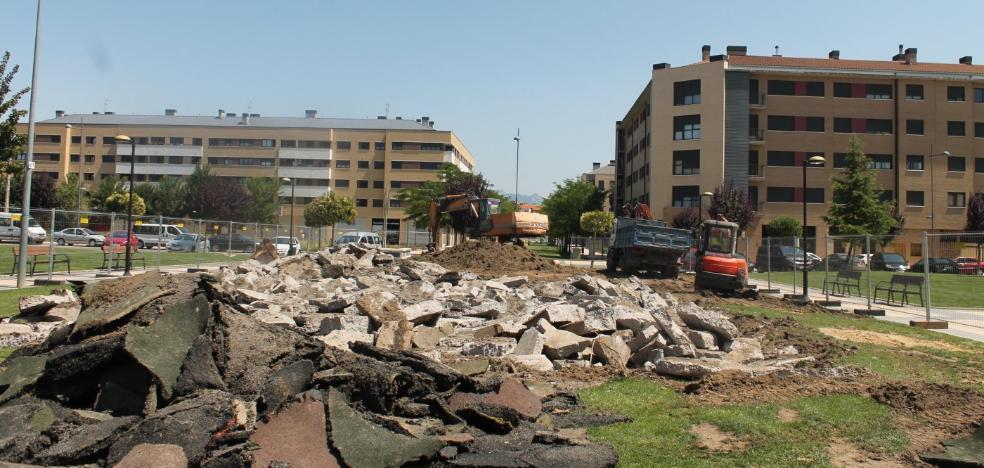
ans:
(751, 121)
(602, 177)
(368, 160)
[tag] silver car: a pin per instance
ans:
(188, 243)
(72, 236)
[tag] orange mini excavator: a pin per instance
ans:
(480, 217)
(717, 265)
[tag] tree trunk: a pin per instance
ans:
(319, 239)
(332, 234)
(6, 195)
(594, 242)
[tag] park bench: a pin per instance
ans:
(843, 282)
(901, 284)
(114, 255)
(38, 254)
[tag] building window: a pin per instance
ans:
(753, 195)
(686, 127)
(842, 90)
(955, 93)
(108, 140)
(317, 144)
(914, 198)
(686, 162)
(814, 195)
(753, 163)
(377, 203)
(956, 128)
(780, 194)
(175, 160)
(814, 124)
(397, 145)
(396, 203)
(914, 92)
(781, 158)
(363, 164)
(956, 164)
(979, 95)
(886, 196)
(956, 200)
(378, 165)
(914, 162)
(157, 140)
(783, 123)
(880, 161)
(686, 196)
(753, 92)
(361, 202)
(74, 158)
(782, 87)
(90, 158)
(288, 143)
(979, 165)
(377, 184)
(814, 88)
(341, 183)
(362, 184)
(89, 176)
(842, 125)
(878, 126)
(979, 129)
(380, 146)
(343, 145)
(363, 146)
(686, 92)
(878, 91)
(840, 160)
(343, 164)
(796, 88)
(914, 127)
(76, 139)
(108, 158)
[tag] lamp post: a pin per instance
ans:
(290, 240)
(29, 158)
(813, 161)
(517, 168)
(120, 140)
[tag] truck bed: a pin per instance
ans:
(655, 234)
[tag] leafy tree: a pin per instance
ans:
(148, 192)
(11, 144)
(975, 219)
(784, 226)
(117, 203)
(856, 206)
(196, 186)
(169, 197)
(451, 180)
(565, 205)
(265, 193)
(686, 219)
(597, 222)
(67, 192)
(98, 195)
(224, 199)
(43, 194)
(327, 210)
(734, 205)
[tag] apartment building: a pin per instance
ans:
(368, 160)
(602, 177)
(751, 121)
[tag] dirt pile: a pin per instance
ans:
(490, 257)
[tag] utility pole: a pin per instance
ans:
(517, 169)
(29, 158)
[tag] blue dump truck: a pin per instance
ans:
(647, 245)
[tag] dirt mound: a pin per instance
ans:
(492, 258)
(889, 339)
(777, 333)
(929, 397)
(740, 387)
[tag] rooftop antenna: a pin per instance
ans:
(387, 110)
(777, 51)
(105, 104)
(249, 107)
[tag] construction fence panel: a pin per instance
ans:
(955, 277)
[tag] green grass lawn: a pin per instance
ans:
(659, 434)
(91, 258)
(947, 290)
(545, 250)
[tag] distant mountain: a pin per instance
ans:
(534, 199)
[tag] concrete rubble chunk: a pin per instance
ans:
(471, 366)
(559, 314)
(356, 323)
(156, 455)
(417, 291)
(612, 350)
(744, 350)
(514, 395)
(424, 312)
(514, 281)
(493, 347)
(38, 305)
(487, 310)
(336, 304)
(274, 317)
(707, 320)
(396, 334)
(381, 306)
(64, 312)
(287, 382)
(382, 259)
(426, 337)
(703, 339)
(538, 362)
(247, 296)
(13, 335)
(86, 443)
(364, 444)
(101, 315)
(585, 283)
(607, 287)
(632, 318)
(673, 331)
(161, 347)
(653, 301)
(530, 343)
(559, 344)
(643, 337)
(683, 367)
(295, 435)
(19, 373)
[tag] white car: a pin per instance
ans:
(72, 236)
(188, 243)
(11, 230)
(283, 246)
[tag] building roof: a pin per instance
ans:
(603, 170)
(761, 61)
(254, 122)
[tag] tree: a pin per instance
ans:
(856, 206)
(565, 205)
(224, 198)
(327, 210)
(107, 187)
(597, 222)
(686, 219)
(67, 192)
(43, 195)
(118, 203)
(783, 226)
(148, 192)
(975, 219)
(451, 180)
(11, 143)
(265, 193)
(734, 205)
(169, 197)
(198, 182)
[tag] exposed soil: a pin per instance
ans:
(711, 438)
(889, 339)
(735, 387)
(787, 415)
(845, 454)
(777, 333)
(489, 258)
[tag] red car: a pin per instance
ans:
(119, 238)
(969, 265)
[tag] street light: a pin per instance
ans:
(813, 161)
(29, 157)
(700, 206)
(517, 168)
(120, 140)
(290, 241)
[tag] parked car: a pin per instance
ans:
(156, 234)
(359, 237)
(889, 262)
(240, 242)
(782, 258)
(72, 236)
(937, 265)
(119, 238)
(861, 261)
(834, 262)
(187, 243)
(969, 265)
(282, 244)
(11, 230)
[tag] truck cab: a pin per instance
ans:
(717, 265)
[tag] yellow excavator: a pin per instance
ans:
(480, 217)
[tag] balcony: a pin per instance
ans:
(161, 150)
(156, 168)
(756, 136)
(305, 153)
(757, 103)
(756, 171)
(304, 172)
(449, 157)
(303, 191)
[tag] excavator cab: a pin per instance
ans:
(717, 265)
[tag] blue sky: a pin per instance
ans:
(563, 72)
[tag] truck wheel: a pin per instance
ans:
(611, 262)
(671, 272)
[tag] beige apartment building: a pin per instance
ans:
(368, 160)
(751, 121)
(602, 177)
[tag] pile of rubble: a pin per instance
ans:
(363, 296)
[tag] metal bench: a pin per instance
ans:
(901, 284)
(38, 254)
(843, 282)
(115, 254)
